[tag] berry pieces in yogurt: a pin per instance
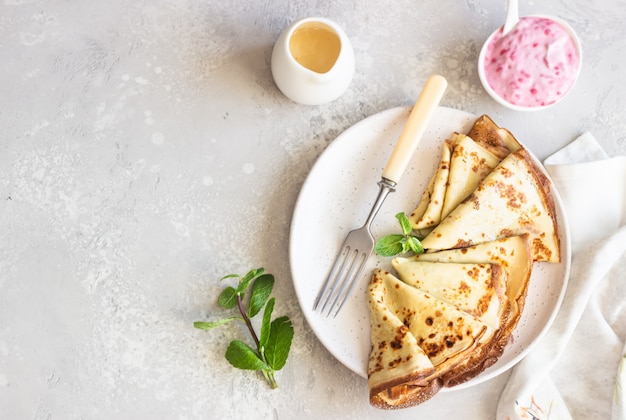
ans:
(534, 65)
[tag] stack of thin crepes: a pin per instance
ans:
(447, 315)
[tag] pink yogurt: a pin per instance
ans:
(534, 65)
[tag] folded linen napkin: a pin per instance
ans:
(582, 355)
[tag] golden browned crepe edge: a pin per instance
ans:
(405, 395)
(487, 355)
(494, 138)
(545, 189)
(476, 364)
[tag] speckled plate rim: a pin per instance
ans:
(336, 197)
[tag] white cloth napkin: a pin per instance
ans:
(578, 367)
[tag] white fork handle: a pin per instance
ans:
(415, 127)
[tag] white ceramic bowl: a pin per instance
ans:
(504, 102)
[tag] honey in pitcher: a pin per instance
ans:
(315, 46)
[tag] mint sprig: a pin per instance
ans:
(394, 244)
(274, 343)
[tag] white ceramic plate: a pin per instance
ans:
(336, 198)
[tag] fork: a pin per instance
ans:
(359, 243)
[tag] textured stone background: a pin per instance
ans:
(145, 152)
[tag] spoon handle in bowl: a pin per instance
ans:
(512, 16)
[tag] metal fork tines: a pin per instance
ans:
(351, 260)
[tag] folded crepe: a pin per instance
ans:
(465, 161)
(427, 215)
(416, 338)
(476, 289)
(470, 163)
(514, 199)
(513, 255)
(399, 371)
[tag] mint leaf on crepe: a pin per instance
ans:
(405, 223)
(396, 243)
(390, 245)
(415, 245)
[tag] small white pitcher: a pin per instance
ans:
(313, 61)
